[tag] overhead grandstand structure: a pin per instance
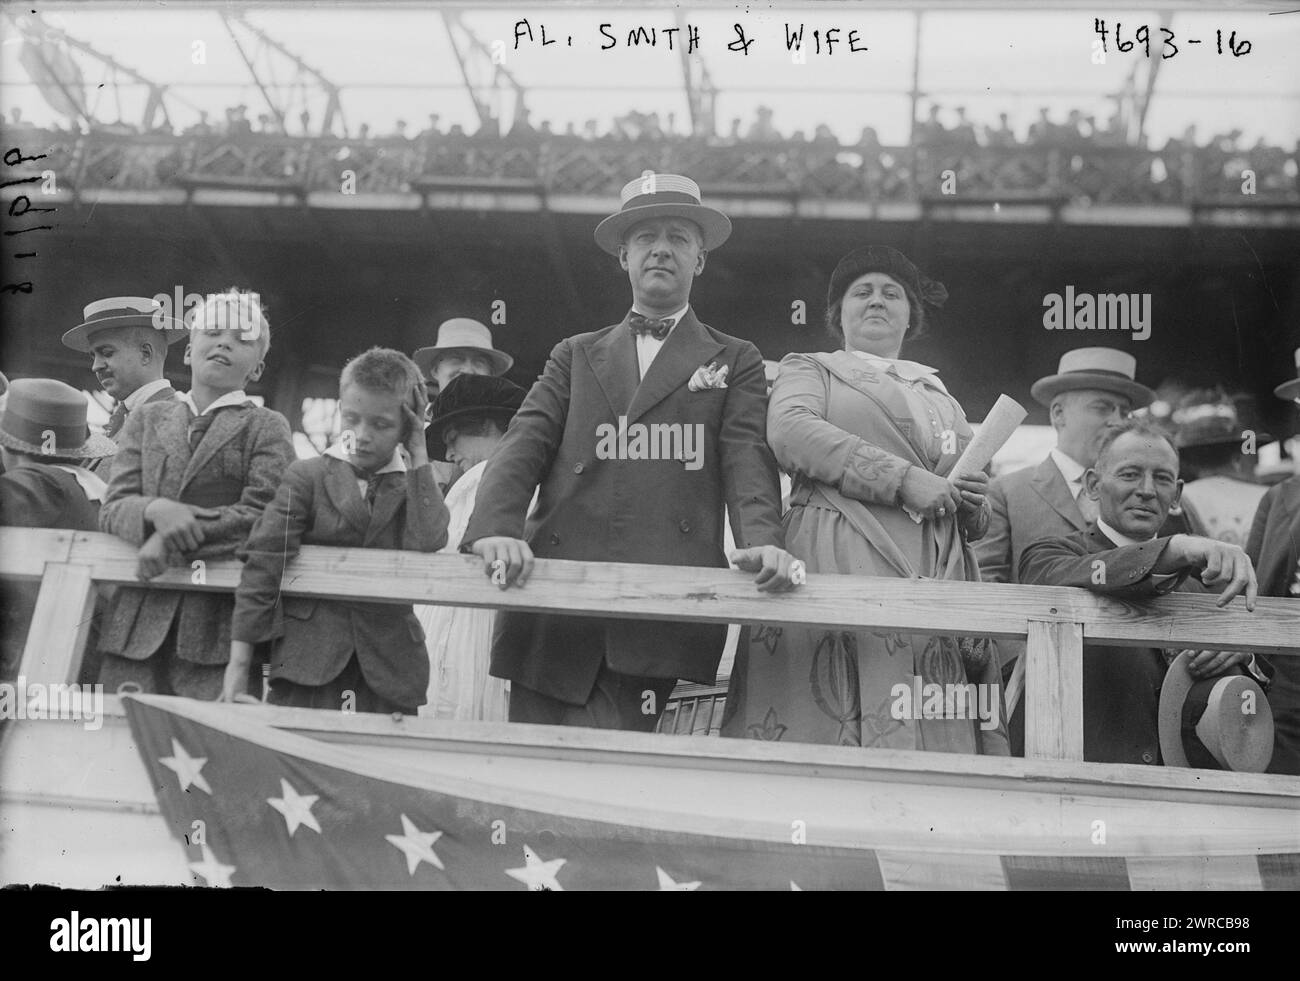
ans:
(356, 238)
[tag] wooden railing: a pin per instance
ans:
(1054, 620)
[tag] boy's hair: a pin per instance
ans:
(235, 308)
(381, 369)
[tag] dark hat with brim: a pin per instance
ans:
(123, 311)
(1224, 720)
(1213, 418)
(470, 395)
(662, 196)
(1098, 369)
(46, 418)
(891, 262)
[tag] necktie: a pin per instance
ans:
(658, 328)
(116, 420)
(1087, 506)
(199, 427)
(373, 480)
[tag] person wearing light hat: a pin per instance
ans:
(1134, 483)
(127, 337)
(1092, 391)
(469, 419)
(463, 346)
(44, 444)
(1274, 546)
(1211, 434)
(658, 366)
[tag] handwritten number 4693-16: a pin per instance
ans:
(1142, 36)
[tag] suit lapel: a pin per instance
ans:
(688, 347)
(1052, 488)
(392, 492)
(613, 361)
(223, 429)
(341, 489)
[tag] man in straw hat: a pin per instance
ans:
(463, 347)
(127, 337)
(609, 499)
(1133, 484)
(1274, 546)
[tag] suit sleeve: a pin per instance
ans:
(122, 513)
(1255, 540)
(993, 551)
(524, 456)
(427, 517)
(270, 454)
(1124, 572)
(29, 499)
(275, 539)
(805, 442)
(750, 484)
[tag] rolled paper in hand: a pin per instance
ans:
(999, 424)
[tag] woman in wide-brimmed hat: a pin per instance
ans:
(469, 418)
(871, 439)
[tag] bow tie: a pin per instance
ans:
(658, 328)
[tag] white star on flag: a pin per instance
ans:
(295, 807)
(536, 874)
(216, 874)
(416, 845)
(666, 883)
(186, 767)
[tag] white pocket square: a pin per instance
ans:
(708, 376)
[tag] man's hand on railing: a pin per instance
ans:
(1210, 664)
(505, 560)
(154, 557)
(1221, 567)
(179, 523)
(777, 569)
(234, 686)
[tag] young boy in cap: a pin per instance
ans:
(364, 657)
(191, 477)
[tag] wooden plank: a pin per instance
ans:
(612, 589)
(24, 551)
(60, 623)
(1054, 690)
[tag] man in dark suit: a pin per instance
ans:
(128, 338)
(639, 434)
(1274, 547)
(1134, 484)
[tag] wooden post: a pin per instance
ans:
(60, 623)
(1054, 690)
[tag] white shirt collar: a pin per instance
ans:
(145, 392)
(675, 317)
(1115, 536)
(237, 397)
(91, 484)
(1070, 469)
(395, 465)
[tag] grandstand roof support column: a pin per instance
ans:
(701, 94)
(474, 55)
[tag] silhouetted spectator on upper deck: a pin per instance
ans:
(762, 130)
(489, 129)
(1003, 135)
(521, 128)
(1043, 130)
(964, 132)
(433, 132)
(363, 133)
(202, 127)
(590, 130)
(16, 116)
(650, 128)
(238, 122)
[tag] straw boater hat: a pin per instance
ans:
(478, 395)
(469, 336)
(1211, 716)
(1100, 368)
(1210, 417)
(38, 408)
(123, 311)
(1290, 390)
(662, 196)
